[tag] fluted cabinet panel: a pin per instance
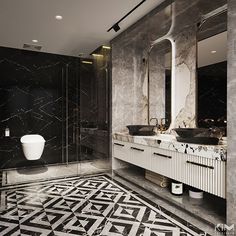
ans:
(199, 172)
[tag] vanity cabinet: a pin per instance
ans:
(162, 162)
(132, 153)
(206, 174)
(139, 154)
(121, 150)
(200, 172)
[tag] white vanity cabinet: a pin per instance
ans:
(162, 162)
(206, 174)
(132, 153)
(121, 150)
(140, 155)
(200, 172)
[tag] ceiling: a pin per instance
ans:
(212, 50)
(83, 27)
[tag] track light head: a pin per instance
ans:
(116, 27)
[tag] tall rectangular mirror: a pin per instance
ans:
(212, 72)
(160, 82)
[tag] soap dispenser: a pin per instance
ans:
(7, 132)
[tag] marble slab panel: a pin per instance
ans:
(33, 100)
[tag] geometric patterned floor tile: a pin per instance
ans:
(9, 227)
(87, 206)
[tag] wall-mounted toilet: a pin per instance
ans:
(32, 145)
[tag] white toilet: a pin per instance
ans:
(32, 145)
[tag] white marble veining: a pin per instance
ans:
(168, 142)
(184, 95)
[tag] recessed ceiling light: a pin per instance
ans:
(106, 47)
(35, 41)
(87, 62)
(97, 55)
(213, 51)
(58, 17)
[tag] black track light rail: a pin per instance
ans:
(116, 25)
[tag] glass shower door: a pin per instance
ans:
(70, 116)
(94, 113)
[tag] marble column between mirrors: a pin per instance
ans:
(231, 108)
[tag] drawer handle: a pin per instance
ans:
(202, 165)
(137, 149)
(162, 155)
(118, 144)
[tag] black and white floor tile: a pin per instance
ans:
(86, 206)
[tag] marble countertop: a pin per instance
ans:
(169, 142)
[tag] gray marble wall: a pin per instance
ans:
(129, 72)
(231, 101)
(129, 69)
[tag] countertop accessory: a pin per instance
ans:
(176, 188)
(195, 193)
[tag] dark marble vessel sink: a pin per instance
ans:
(190, 132)
(199, 140)
(198, 135)
(141, 130)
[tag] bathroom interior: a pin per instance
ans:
(124, 131)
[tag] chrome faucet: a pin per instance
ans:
(154, 118)
(163, 124)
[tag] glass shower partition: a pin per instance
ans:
(70, 118)
(42, 99)
(64, 99)
(94, 112)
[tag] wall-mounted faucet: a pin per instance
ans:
(154, 118)
(184, 124)
(163, 125)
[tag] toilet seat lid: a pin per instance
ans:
(32, 138)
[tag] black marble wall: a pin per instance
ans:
(38, 91)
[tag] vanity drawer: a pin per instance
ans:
(206, 174)
(162, 162)
(140, 155)
(121, 150)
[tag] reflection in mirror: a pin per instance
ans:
(212, 73)
(160, 83)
